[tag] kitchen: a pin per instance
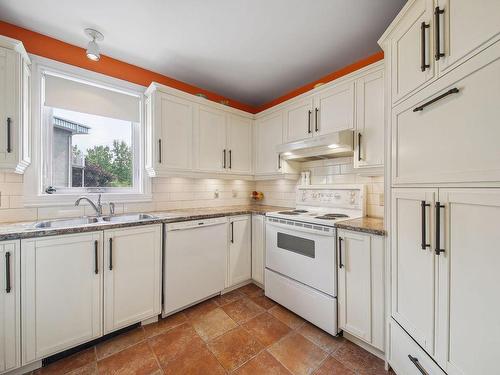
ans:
(243, 216)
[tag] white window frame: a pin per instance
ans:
(34, 186)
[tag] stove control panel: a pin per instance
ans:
(346, 198)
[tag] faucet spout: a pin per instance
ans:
(97, 207)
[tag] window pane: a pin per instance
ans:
(90, 150)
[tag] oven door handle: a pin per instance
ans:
(301, 229)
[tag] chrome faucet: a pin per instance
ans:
(97, 207)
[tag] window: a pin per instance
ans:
(91, 137)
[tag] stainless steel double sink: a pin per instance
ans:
(76, 222)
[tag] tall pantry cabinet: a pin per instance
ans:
(442, 60)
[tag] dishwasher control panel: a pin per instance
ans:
(190, 224)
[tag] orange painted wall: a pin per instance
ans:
(55, 49)
(329, 77)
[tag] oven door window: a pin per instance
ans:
(299, 245)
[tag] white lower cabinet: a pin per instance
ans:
(361, 286)
(132, 275)
(61, 282)
(258, 247)
(240, 250)
(10, 322)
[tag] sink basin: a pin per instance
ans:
(64, 223)
(127, 218)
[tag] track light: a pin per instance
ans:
(93, 48)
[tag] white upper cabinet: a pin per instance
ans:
(10, 305)
(132, 275)
(369, 141)
(239, 250)
(412, 60)
(61, 282)
(449, 131)
(298, 120)
(15, 106)
(414, 270)
(464, 28)
(334, 109)
(268, 134)
(239, 144)
(468, 277)
(211, 151)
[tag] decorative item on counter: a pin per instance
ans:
(257, 195)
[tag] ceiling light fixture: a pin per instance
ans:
(93, 48)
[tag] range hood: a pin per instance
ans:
(319, 147)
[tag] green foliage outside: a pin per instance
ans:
(108, 167)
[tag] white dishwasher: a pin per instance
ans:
(194, 262)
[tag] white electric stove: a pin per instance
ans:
(301, 255)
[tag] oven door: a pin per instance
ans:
(302, 254)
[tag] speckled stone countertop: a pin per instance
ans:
(372, 225)
(13, 231)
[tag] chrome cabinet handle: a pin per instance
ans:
(230, 157)
(309, 131)
(96, 256)
(359, 147)
(232, 231)
(340, 252)
(224, 159)
(159, 150)
(110, 254)
(316, 126)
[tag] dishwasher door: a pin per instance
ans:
(194, 262)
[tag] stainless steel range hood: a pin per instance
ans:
(319, 147)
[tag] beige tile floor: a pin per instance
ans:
(242, 332)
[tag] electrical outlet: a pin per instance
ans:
(216, 194)
(235, 194)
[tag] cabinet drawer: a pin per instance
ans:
(406, 357)
(454, 138)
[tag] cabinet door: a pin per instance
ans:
(10, 306)
(454, 139)
(132, 275)
(298, 120)
(465, 27)
(211, 139)
(258, 243)
(239, 144)
(369, 141)
(334, 109)
(61, 280)
(413, 274)
(174, 118)
(268, 134)
(361, 286)
(408, 74)
(468, 281)
(9, 117)
(240, 251)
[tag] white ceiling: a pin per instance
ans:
(248, 50)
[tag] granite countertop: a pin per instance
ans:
(13, 231)
(372, 225)
(20, 230)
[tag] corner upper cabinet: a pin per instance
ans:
(268, 134)
(10, 305)
(411, 49)
(239, 144)
(369, 137)
(15, 106)
(169, 133)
